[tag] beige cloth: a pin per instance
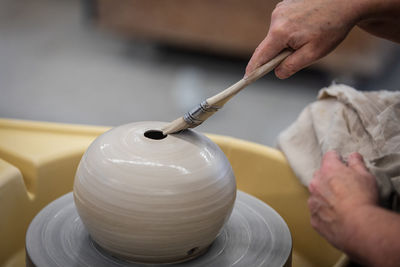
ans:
(346, 120)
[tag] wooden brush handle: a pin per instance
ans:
(221, 98)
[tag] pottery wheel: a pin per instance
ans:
(255, 235)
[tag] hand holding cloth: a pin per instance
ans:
(346, 120)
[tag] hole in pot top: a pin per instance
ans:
(154, 134)
(193, 250)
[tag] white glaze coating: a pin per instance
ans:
(154, 200)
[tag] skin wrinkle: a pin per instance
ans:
(321, 26)
(344, 197)
(332, 201)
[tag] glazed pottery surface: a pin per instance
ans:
(154, 200)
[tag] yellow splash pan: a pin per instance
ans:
(38, 162)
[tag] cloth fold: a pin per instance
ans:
(347, 120)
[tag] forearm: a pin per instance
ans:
(387, 28)
(380, 18)
(375, 238)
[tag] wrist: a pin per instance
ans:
(362, 9)
(360, 243)
(355, 223)
(354, 11)
(369, 9)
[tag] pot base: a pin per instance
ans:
(255, 235)
(192, 254)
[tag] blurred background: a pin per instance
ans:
(105, 62)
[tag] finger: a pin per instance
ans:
(313, 205)
(300, 59)
(356, 162)
(322, 227)
(320, 190)
(313, 185)
(331, 160)
(265, 51)
(315, 222)
(318, 207)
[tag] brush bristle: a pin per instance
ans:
(175, 126)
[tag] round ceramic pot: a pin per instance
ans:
(151, 198)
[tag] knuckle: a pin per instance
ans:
(332, 183)
(279, 4)
(294, 42)
(316, 174)
(310, 203)
(275, 15)
(336, 186)
(314, 187)
(313, 183)
(279, 29)
(330, 165)
(309, 56)
(277, 12)
(289, 67)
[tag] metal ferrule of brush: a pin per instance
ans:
(199, 114)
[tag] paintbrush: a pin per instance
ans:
(208, 107)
